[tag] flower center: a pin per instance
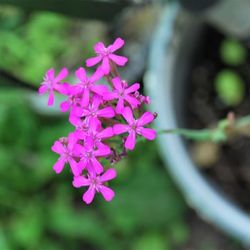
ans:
(104, 52)
(95, 184)
(88, 154)
(133, 126)
(121, 93)
(85, 84)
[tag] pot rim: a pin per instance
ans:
(199, 193)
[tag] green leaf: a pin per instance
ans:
(66, 221)
(229, 87)
(233, 52)
(4, 244)
(27, 228)
(179, 233)
(150, 241)
(146, 198)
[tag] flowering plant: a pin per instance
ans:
(107, 120)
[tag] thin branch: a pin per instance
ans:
(8, 80)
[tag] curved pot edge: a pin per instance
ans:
(200, 195)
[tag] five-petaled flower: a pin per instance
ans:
(135, 127)
(107, 56)
(122, 93)
(52, 83)
(89, 155)
(68, 149)
(91, 113)
(95, 183)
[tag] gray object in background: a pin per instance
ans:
(231, 17)
(169, 61)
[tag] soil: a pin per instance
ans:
(204, 236)
(230, 171)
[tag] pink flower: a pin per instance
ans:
(86, 85)
(98, 114)
(135, 127)
(105, 54)
(68, 150)
(95, 184)
(89, 154)
(79, 94)
(96, 132)
(92, 112)
(51, 83)
(74, 99)
(141, 98)
(122, 93)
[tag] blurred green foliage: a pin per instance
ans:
(31, 43)
(39, 210)
(230, 87)
(233, 52)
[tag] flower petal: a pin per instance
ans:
(83, 163)
(72, 139)
(117, 83)
(120, 106)
(62, 74)
(97, 166)
(132, 88)
(89, 195)
(93, 61)
(108, 175)
(106, 133)
(80, 181)
(59, 165)
(76, 111)
(120, 129)
(74, 120)
(74, 167)
(50, 74)
(107, 193)
(42, 89)
(99, 47)
(119, 60)
(132, 101)
(102, 151)
(148, 133)
(79, 149)
(64, 89)
(51, 98)
(96, 101)
(64, 106)
(110, 96)
(131, 139)
(128, 115)
(100, 89)
(97, 75)
(105, 65)
(107, 112)
(95, 126)
(146, 118)
(118, 43)
(81, 74)
(85, 98)
(58, 147)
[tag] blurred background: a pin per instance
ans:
(40, 210)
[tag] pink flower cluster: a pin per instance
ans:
(107, 119)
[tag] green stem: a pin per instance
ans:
(201, 135)
(243, 121)
(225, 128)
